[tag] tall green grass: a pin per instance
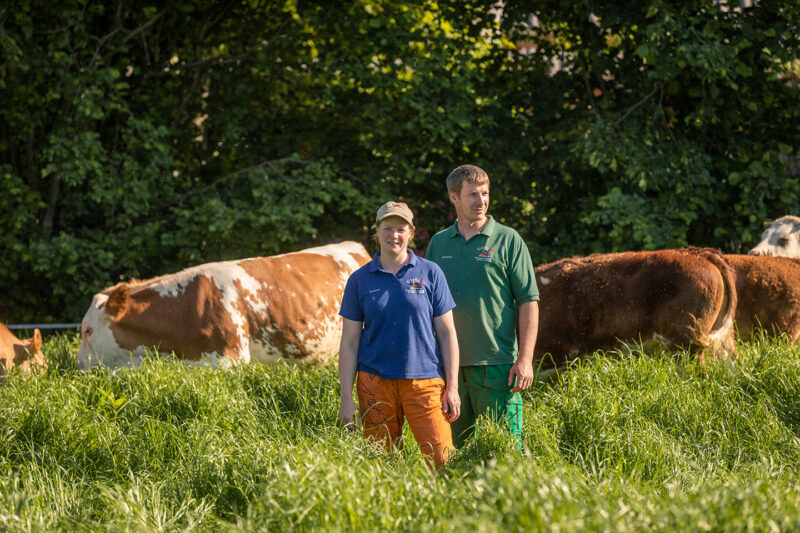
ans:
(628, 442)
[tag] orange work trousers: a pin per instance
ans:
(385, 403)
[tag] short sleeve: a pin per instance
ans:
(442, 299)
(523, 280)
(431, 249)
(351, 303)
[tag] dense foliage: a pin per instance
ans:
(623, 443)
(139, 139)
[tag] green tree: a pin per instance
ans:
(139, 139)
(131, 146)
(675, 122)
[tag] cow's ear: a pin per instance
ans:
(117, 301)
(36, 341)
(768, 223)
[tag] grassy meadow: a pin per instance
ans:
(623, 443)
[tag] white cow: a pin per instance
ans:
(781, 238)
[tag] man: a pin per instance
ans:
(490, 274)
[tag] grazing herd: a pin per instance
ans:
(285, 306)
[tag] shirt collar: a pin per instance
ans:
(487, 228)
(375, 265)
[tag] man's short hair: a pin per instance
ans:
(466, 174)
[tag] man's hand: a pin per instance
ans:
(451, 404)
(347, 414)
(523, 371)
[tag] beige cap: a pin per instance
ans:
(394, 209)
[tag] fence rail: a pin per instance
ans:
(44, 326)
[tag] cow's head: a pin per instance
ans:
(27, 353)
(98, 345)
(781, 238)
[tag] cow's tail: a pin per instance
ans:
(721, 338)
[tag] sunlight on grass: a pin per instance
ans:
(617, 441)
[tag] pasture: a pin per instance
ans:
(628, 443)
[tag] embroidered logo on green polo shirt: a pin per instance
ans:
(485, 254)
(416, 286)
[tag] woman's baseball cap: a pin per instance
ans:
(394, 209)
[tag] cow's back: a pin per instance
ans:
(591, 303)
(769, 294)
(266, 308)
(304, 290)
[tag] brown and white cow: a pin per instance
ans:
(683, 297)
(781, 238)
(262, 309)
(23, 354)
(768, 290)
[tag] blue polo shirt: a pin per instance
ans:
(397, 311)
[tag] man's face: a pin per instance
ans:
(472, 202)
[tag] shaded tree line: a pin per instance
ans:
(137, 139)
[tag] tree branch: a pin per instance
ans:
(637, 104)
(588, 87)
(105, 38)
(52, 202)
(218, 181)
(135, 32)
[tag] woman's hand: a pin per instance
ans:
(347, 414)
(448, 347)
(451, 404)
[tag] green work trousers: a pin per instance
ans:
(485, 390)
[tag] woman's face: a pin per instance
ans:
(394, 234)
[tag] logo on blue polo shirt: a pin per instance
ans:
(415, 286)
(485, 254)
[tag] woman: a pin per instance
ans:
(395, 309)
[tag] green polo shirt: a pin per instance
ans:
(489, 276)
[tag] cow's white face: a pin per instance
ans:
(98, 346)
(782, 238)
